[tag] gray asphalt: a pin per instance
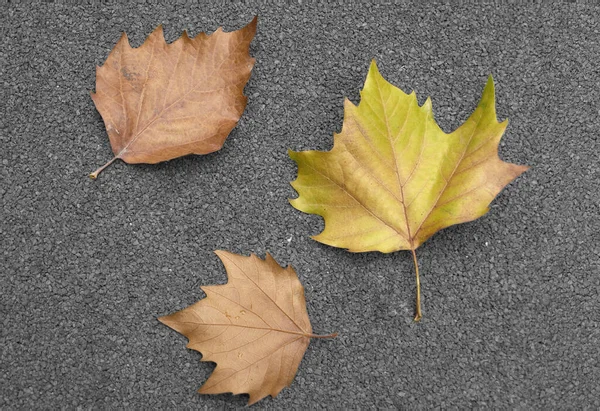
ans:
(511, 301)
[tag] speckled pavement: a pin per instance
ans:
(511, 301)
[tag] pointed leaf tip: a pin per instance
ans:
(221, 253)
(124, 40)
(427, 104)
(157, 33)
(293, 154)
(251, 27)
(373, 68)
(489, 90)
(488, 98)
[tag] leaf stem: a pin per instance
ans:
(332, 335)
(94, 175)
(418, 309)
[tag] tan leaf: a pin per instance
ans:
(255, 327)
(394, 178)
(161, 101)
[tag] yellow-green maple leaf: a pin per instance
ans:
(394, 178)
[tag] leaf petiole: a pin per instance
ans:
(332, 335)
(418, 309)
(94, 175)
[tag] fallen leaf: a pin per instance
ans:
(161, 101)
(394, 178)
(255, 327)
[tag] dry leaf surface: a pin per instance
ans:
(161, 101)
(394, 178)
(255, 327)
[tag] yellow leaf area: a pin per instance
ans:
(394, 178)
(255, 327)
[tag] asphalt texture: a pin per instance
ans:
(511, 301)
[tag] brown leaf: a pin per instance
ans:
(255, 327)
(161, 101)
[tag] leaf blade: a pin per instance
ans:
(402, 169)
(161, 101)
(255, 327)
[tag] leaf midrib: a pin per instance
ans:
(447, 180)
(401, 186)
(280, 330)
(265, 293)
(393, 147)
